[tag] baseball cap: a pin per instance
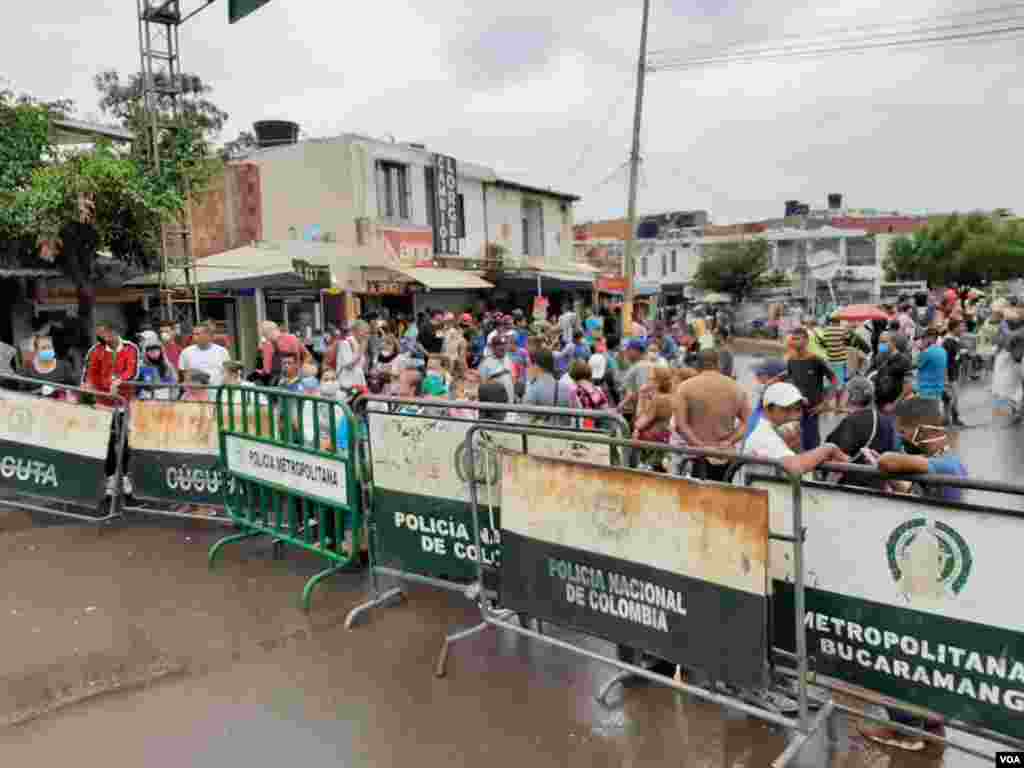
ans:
(466, 319)
(637, 345)
(860, 390)
(769, 369)
(782, 394)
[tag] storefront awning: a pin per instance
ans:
(439, 279)
(282, 264)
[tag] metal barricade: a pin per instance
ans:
(293, 458)
(174, 454)
(492, 615)
(420, 526)
(914, 609)
(55, 453)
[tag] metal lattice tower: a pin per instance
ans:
(162, 87)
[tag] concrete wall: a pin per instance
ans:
(305, 185)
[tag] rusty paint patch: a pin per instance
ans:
(181, 427)
(717, 533)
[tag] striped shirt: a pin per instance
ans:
(835, 343)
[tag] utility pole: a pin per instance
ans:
(629, 261)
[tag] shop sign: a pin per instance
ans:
(446, 215)
(382, 288)
(612, 284)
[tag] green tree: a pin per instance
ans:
(737, 268)
(959, 250)
(60, 208)
(240, 146)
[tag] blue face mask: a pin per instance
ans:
(310, 383)
(883, 348)
(47, 355)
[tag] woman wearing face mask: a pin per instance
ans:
(46, 367)
(155, 370)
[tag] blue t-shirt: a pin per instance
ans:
(931, 372)
(946, 464)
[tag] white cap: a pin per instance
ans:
(598, 365)
(782, 394)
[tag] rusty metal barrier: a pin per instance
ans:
(492, 615)
(925, 588)
(174, 446)
(55, 452)
(420, 465)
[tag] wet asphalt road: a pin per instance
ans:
(324, 696)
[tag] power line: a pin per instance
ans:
(910, 36)
(739, 44)
(975, 36)
(588, 148)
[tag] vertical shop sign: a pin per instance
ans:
(446, 219)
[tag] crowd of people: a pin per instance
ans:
(894, 380)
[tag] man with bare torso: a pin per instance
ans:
(711, 411)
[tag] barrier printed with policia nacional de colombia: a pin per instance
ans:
(675, 567)
(52, 448)
(910, 598)
(421, 473)
(175, 452)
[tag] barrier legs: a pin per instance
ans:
(211, 558)
(442, 658)
(619, 679)
(393, 595)
(801, 738)
(307, 591)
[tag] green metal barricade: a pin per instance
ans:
(293, 460)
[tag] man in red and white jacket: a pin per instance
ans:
(109, 365)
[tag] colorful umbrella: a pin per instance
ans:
(856, 313)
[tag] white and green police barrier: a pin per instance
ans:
(174, 454)
(910, 597)
(421, 525)
(673, 567)
(292, 459)
(53, 452)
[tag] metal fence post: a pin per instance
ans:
(798, 598)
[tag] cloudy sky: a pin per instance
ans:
(543, 92)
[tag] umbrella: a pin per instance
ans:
(859, 312)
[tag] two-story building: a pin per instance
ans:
(361, 217)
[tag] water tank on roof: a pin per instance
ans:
(792, 206)
(835, 201)
(647, 230)
(274, 133)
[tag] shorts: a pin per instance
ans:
(839, 369)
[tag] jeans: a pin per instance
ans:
(951, 399)
(810, 434)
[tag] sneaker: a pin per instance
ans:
(127, 486)
(110, 486)
(891, 738)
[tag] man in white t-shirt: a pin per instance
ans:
(782, 405)
(203, 355)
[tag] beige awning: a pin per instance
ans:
(445, 279)
(257, 265)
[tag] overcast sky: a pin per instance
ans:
(543, 92)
